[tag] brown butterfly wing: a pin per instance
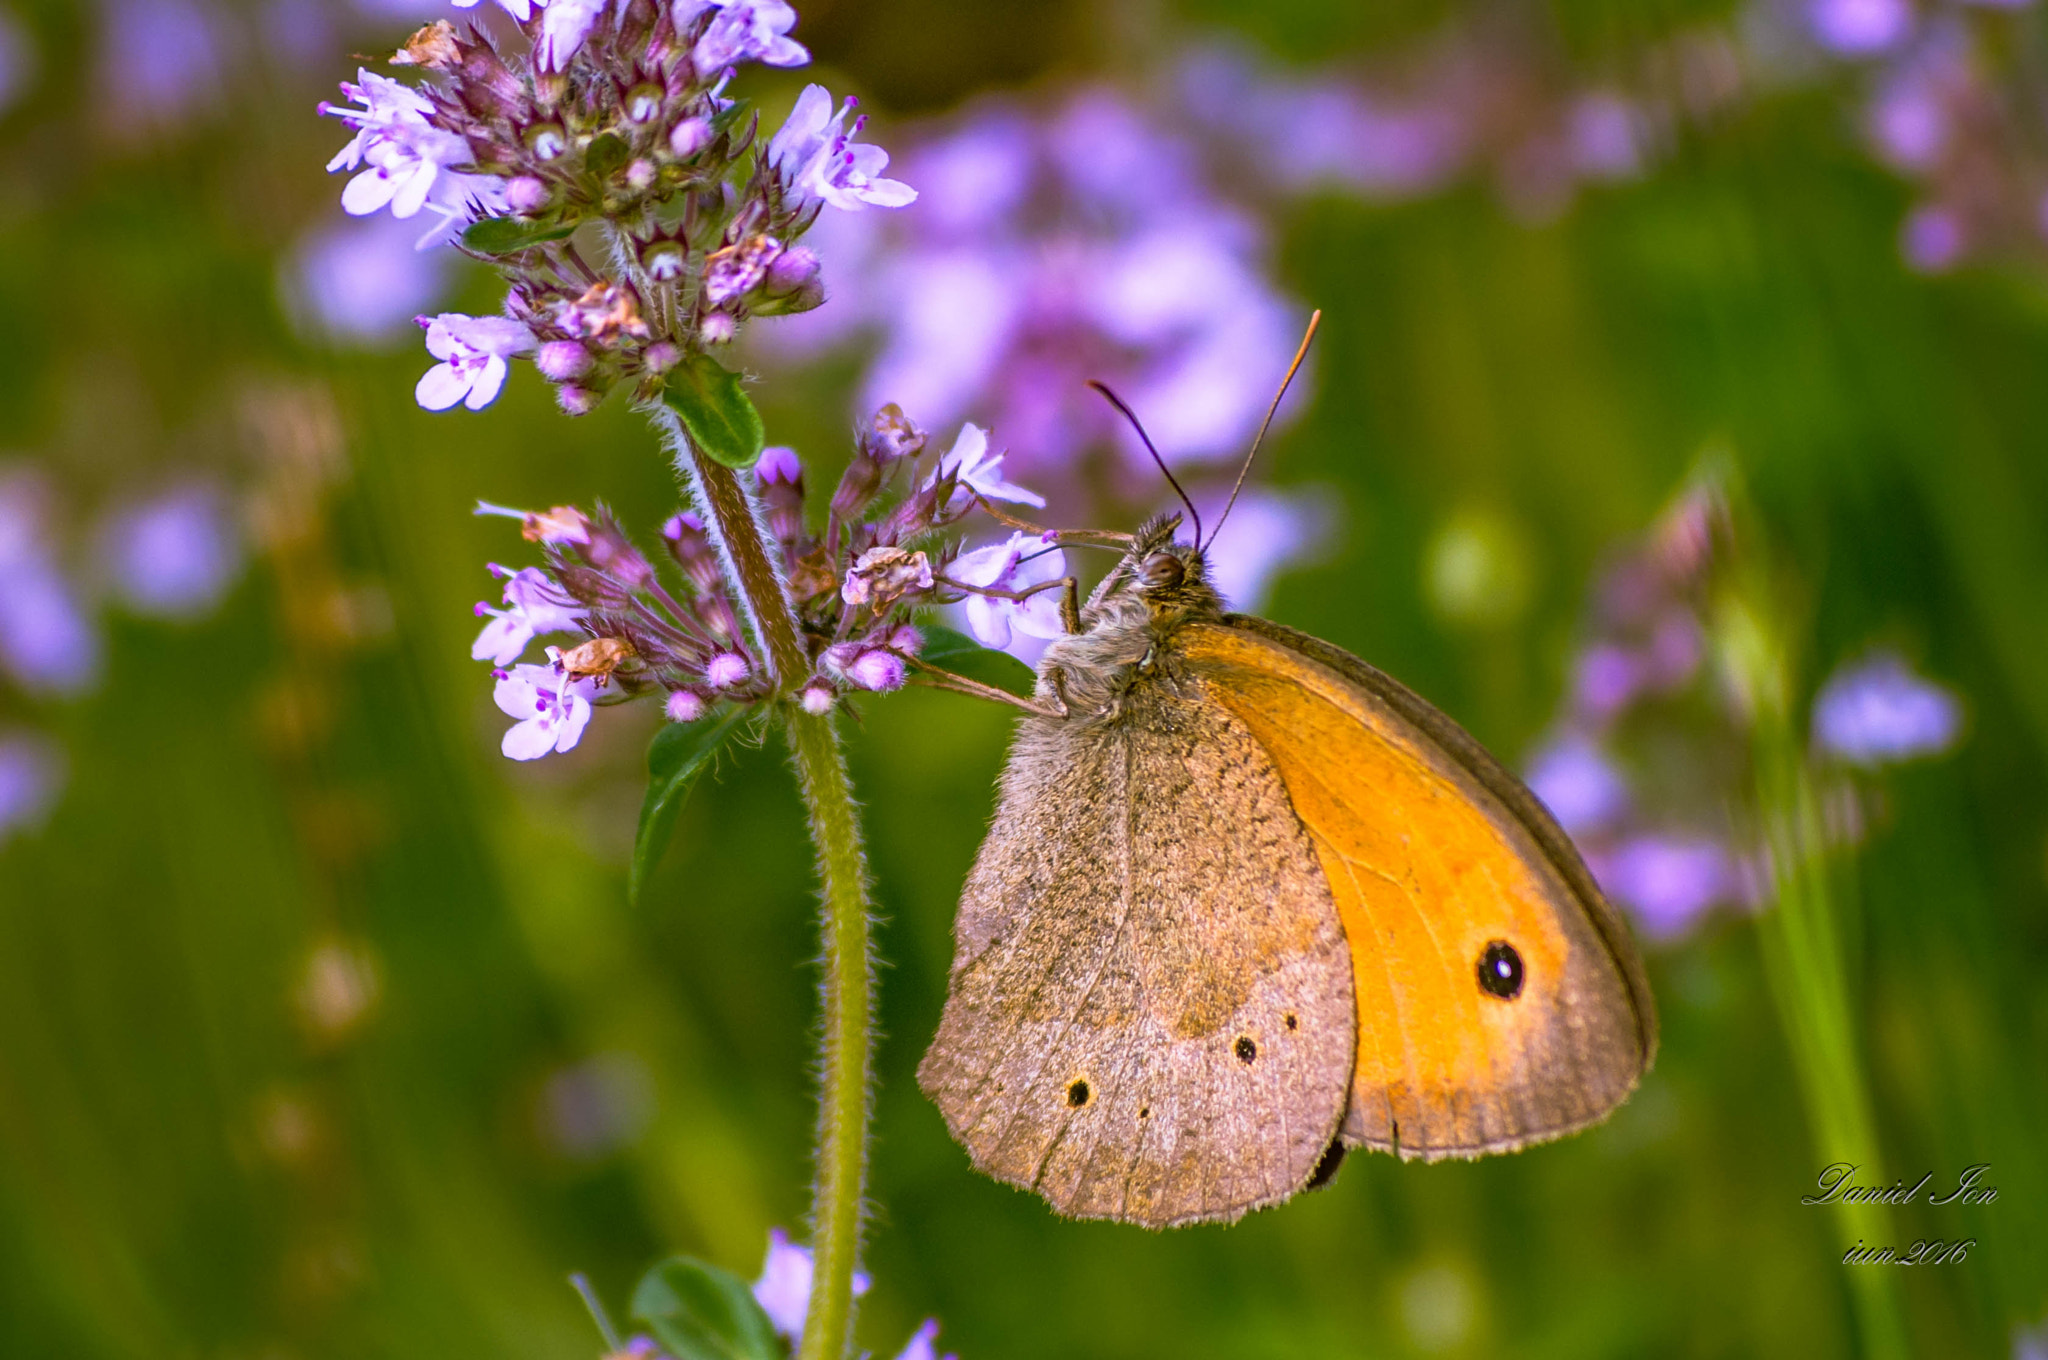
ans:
(1150, 1014)
(1434, 854)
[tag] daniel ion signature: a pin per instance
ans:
(1837, 1185)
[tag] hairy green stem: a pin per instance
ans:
(848, 1007)
(848, 974)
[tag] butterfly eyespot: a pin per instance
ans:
(1500, 971)
(1162, 571)
(1078, 1093)
(1247, 1051)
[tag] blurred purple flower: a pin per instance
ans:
(173, 556)
(1579, 785)
(923, 1344)
(1267, 533)
(1908, 122)
(31, 776)
(161, 61)
(552, 710)
(1667, 881)
(1016, 566)
(522, 10)
(17, 60)
(596, 1107)
(472, 351)
(1606, 679)
(1931, 239)
(47, 642)
(1860, 28)
(1877, 712)
(362, 279)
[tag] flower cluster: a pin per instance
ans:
(1649, 764)
(884, 553)
(616, 116)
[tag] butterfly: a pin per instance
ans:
(1246, 903)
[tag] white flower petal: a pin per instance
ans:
(484, 387)
(529, 740)
(440, 387)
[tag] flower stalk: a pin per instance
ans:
(847, 983)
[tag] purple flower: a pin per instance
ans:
(1266, 534)
(683, 706)
(747, 30)
(552, 710)
(163, 60)
(472, 351)
(17, 60)
(173, 556)
(360, 279)
(563, 29)
(876, 670)
(779, 464)
(1877, 712)
(1015, 566)
(1667, 880)
(921, 1344)
(817, 156)
(522, 10)
(1860, 28)
(1578, 784)
(402, 150)
(975, 468)
(1606, 679)
(31, 776)
(1908, 123)
(533, 605)
(46, 640)
(1931, 239)
(784, 1289)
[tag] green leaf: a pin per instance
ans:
(606, 153)
(962, 655)
(699, 1312)
(716, 411)
(677, 755)
(504, 235)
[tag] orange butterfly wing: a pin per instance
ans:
(1436, 855)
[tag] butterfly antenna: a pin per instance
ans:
(1315, 319)
(1171, 480)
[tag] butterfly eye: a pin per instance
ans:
(1162, 571)
(1500, 971)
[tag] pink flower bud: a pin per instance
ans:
(717, 328)
(876, 670)
(779, 464)
(684, 706)
(640, 173)
(661, 356)
(817, 699)
(577, 401)
(643, 102)
(526, 194)
(688, 138)
(727, 669)
(792, 269)
(906, 639)
(560, 361)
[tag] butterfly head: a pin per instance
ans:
(1169, 577)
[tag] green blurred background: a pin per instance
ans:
(325, 1031)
